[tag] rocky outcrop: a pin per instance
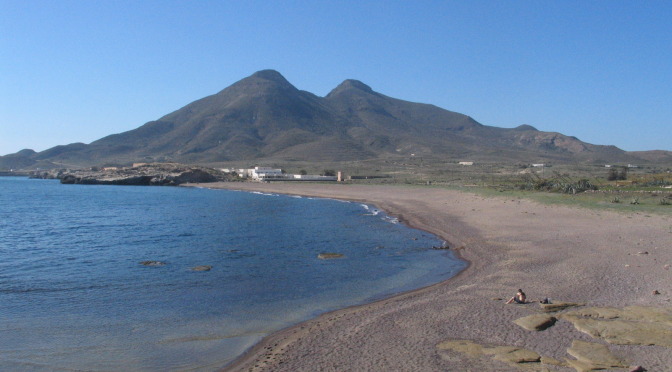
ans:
(156, 174)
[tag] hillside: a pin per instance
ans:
(264, 117)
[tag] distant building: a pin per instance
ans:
(312, 177)
(538, 165)
(264, 174)
(466, 163)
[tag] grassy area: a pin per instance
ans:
(645, 191)
(622, 201)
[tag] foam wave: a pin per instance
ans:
(372, 211)
(264, 193)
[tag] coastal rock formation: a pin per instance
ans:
(632, 325)
(157, 174)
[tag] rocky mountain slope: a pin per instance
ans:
(265, 117)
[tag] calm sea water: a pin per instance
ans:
(74, 296)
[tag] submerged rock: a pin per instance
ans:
(201, 268)
(329, 256)
(152, 263)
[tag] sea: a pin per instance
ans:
(76, 296)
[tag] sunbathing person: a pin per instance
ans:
(519, 298)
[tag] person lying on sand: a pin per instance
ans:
(519, 298)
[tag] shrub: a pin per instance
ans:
(559, 183)
(615, 175)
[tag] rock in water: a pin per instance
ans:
(201, 268)
(328, 256)
(152, 263)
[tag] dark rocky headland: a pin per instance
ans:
(154, 174)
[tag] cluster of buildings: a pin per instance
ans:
(264, 174)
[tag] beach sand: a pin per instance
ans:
(596, 257)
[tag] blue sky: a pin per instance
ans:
(76, 71)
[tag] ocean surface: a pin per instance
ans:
(74, 296)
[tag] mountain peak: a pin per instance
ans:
(526, 127)
(258, 83)
(355, 84)
(271, 75)
(350, 85)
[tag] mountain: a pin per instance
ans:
(264, 117)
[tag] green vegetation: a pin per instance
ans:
(558, 183)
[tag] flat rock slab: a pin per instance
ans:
(521, 358)
(558, 305)
(536, 322)
(633, 325)
(593, 356)
(512, 354)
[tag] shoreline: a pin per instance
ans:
(565, 253)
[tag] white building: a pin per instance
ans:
(270, 174)
(311, 177)
(261, 173)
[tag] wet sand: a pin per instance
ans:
(571, 254)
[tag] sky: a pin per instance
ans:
(76, 71)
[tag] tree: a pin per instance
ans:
(329, 172)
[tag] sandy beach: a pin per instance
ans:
(592, 257)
